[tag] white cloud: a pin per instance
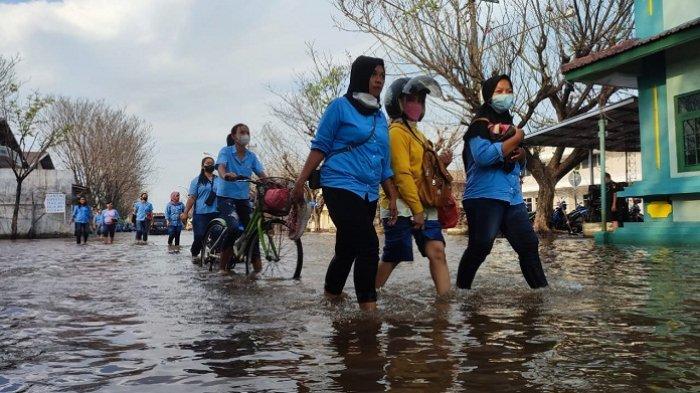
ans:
(190, 68)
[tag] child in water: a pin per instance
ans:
(173, 210)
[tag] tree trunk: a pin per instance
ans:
(545, 205)
(15, 211)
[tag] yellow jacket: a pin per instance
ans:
(406, 162)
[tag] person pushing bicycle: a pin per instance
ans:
(234, 161)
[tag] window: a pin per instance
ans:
(528, 204)
(688, 131)
(596, 161)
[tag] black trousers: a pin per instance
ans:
(355, 242)
(82, 229)
(486, 217)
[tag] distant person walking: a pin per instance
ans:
(110, 216)
(82, 217)
(173, 213)
(353, 140)
(98, 222)
(201, 199)
(143, 213)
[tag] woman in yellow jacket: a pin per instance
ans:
(405, 105)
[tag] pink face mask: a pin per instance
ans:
(413, 110)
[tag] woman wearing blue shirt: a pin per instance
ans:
(233, 198)
(202, 197)
(350, 178)
(493, 199)
(82, 217)
(173, 212)
(144, 212)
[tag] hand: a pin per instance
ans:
(516, 155)
(613, 209)
(393, 212)
(446, 157)
(298, 193)
(519, 133)
(230, 176)
(419, 220)
(183, 217)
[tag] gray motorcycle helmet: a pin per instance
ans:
(401, 86)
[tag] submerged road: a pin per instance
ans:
(134, 318)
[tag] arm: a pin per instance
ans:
(512, 143)
(221, 161)
(188, 206)
(312, 162)
(400, 161)
(258, 168)
(390, 190)
(321, 146)
(484, 152)
(168, 211)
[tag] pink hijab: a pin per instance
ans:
(175, 197)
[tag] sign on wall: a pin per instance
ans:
(55, 202)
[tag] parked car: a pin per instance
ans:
(124, 226)
(159, 226)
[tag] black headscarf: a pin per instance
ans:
(360, 73)
(487, 111)
(480, 128)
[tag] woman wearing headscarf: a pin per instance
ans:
(493, 199)
(353, 140)
(405, 105)
(173, 211)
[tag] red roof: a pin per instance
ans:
(624, 46)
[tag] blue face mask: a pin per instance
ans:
(502, 102)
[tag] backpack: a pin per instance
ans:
(434, 185)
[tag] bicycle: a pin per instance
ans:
(282, 257)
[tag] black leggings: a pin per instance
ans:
(355, 242)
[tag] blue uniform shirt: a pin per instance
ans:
(172, 213)
(241, 167)
(142, 209)
(201, 192)
(98, 219)
(486, 179)
(363, 168)
(82, 214)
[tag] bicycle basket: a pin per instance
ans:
(276, 194)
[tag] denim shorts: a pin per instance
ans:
(397, 238)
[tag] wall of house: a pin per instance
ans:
(683, 76)
(677, 12)
(34, 189)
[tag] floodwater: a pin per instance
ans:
(134, 318)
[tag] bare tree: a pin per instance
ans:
(464, 42)
(30, 133)
(299, 112)
(108, 150)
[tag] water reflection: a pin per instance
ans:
(127, 318)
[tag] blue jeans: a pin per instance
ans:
(142, 228)
(199, 228)
(485, 218)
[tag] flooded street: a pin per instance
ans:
(134, 318)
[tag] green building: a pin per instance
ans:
(663, 64)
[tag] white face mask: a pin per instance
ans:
(367, 100)
(244, 140)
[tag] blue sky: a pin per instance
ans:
(190, 68)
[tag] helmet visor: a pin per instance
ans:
(422, 84)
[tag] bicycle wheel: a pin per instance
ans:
(211, 243)
(283, 257)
